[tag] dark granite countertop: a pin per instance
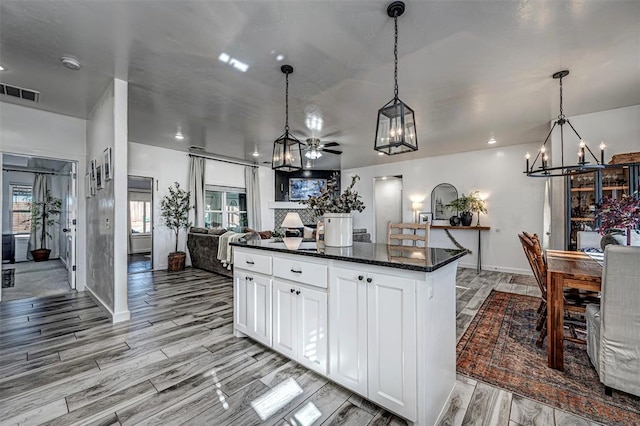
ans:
(423, 259)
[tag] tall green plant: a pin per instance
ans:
(44, 215)
(469, 203)
(175, 209)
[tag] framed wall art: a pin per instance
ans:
(425, 217)
(99, 178)
(106, 164)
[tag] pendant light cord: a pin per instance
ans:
(561, 116)
(395, 55)
(286, 105)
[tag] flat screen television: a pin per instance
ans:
(303, 188)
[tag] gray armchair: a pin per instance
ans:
(613, 327)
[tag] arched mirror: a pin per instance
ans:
(442, 195)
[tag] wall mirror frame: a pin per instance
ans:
(442, 195)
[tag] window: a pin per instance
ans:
(140, 212)
(21, 196)
(225, 207)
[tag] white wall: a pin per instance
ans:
(619, 129)
(513, 200)
(168, 166)
(107, 211)
(29, 131)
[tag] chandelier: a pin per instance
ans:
(542, 169)
(396, 128)
(287, 152)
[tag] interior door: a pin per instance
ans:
(388, 205)
(70, 227)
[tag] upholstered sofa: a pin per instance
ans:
(203, 249)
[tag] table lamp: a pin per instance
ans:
(292, 224)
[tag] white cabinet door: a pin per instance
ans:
(259, 308)
(392, 343)
(348, 328)
(240, 302)
(284, 318)
(312, 328)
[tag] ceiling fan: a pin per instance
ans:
(315, 148)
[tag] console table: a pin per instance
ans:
(469, 228)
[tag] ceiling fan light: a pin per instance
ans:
(313, 154)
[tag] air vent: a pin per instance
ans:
(19, 92)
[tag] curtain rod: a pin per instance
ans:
(29, 170)
(222, 159)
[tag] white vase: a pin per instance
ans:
(338, 229)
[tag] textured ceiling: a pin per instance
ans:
(469, 69)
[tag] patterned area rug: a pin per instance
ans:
(499, 348)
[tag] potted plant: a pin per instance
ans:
(175, 212)
(618, 216)
(336, 208)
(44, 215)
(467, 205)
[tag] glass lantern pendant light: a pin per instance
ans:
(542, 168)
(396, 129)
(287, 151)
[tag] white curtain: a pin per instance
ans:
(42, 184)
(196, 187)
(252, 185)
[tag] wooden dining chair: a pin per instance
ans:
(320, 230)
(574, 302)
(416, 232)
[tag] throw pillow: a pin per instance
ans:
(265, 235)
(195, 230)
(217, 231)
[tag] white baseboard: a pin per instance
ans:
(497, 269)
(115, 317)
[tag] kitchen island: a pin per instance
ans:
(376, 319)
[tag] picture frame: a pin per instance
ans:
(88, 190)
(99, 179)
(92, 170)
(425, 217)
(303, 188)
(106, 164)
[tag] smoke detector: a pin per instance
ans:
(70, 62)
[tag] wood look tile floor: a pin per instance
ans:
(177, 362)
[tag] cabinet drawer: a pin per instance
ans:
(251, 261)
(300, 271)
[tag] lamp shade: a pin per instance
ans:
(416, 206)
(292, 220)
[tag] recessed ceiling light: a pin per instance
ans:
(381, 153)
(279, 58)
(70, 62)
(491, 141)
(256, 154)
(1, 68)
(179, 136)
(224, 57)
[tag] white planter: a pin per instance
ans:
(338, 229)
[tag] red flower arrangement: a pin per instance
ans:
(619, 214)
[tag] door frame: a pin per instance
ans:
(374, 231)
(152, 183)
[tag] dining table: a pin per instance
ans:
(566, 269)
